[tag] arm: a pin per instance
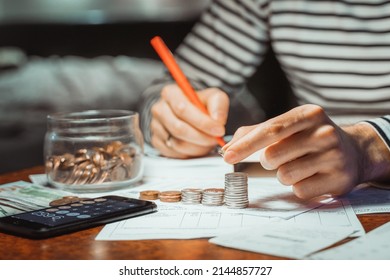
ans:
(218, 56)
(313, 154)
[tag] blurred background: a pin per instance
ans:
(73, 55)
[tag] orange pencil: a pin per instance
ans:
(178, 75)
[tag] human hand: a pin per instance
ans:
(313, 154)
(180, 130)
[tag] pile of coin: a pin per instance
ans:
(149, 195)
(113, 162)
(66, 200)
(213, 197)
(234, 195)
(236, 190)
(191, 196)
(170, 196)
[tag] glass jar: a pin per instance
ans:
(93, 151)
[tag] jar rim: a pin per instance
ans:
(92, 115)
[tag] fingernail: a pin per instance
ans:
(230, 156)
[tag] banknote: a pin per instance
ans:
(23, 196)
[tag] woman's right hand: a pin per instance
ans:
(180, 130)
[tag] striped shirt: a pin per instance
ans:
(335, 54)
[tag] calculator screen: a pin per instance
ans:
(77, 211)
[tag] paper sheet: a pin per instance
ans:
(294, 241)
(369, 200)
(164, 168)
(179, 222)
(338, 213)
(375, 245)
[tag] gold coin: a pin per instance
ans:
(170, 193)
(143, 197)
(150, 193)
(63, 201)
(170, 199)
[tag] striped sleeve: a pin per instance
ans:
(223, 50)
(335, 54)
(382, 127)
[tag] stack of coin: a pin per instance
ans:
(191, 196)
(170, 196)
(113, 162)
(236, 190)
(149, 195)
(213, 197)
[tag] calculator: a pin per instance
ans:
(67, 218)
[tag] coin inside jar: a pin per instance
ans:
(95, 165)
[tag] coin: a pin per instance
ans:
(191, 196)
(213, 196)
(165, 199)
(236, 190)
(170, 193)
(149, 195)
(170, 196)
(96, 165)
(64, 200)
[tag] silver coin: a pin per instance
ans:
(236, 190)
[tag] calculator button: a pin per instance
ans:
(73, 214)
(62, 212)
(76, 204)
(83, 216)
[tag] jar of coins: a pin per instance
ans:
(93, 151)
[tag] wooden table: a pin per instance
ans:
(83, 246)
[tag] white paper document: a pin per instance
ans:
(337, 213)
(369, 200)
(294, 241)
(375, 245)
(201, 168)
(178, 221)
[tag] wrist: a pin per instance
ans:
(373, 153)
